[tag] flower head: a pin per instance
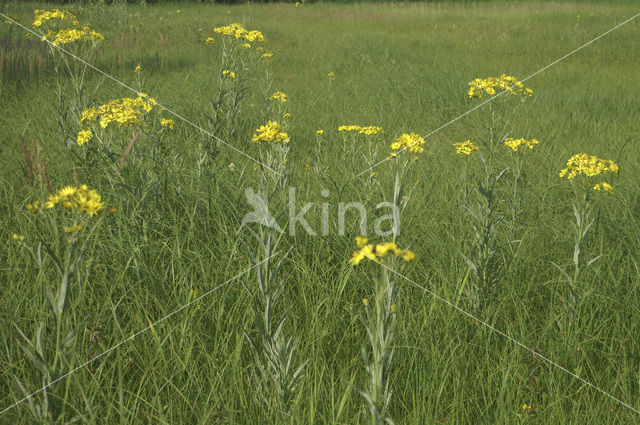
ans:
(407, 141)
(84, 136)
(480, 86)
(227, 73)
(515, 144)
(279, 96)
(603, 186)
(42, 16)
(238, 32)
(588, 165)
(73, 198)
(167, 123)
(368, 130)
(465, 148)
(124, 112)
(138, 69)
(379, 250)
(270, 132)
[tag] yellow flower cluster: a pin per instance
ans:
(65, 35)
(42, 16)
(411, 141)
(72, 198)
(503, 82)
(69, 35)
(270, 132)
(603, 186)
(227, 73)
(279, 96)
(379, 250)
(240, 33)
(372, 129)
(168, 123)
(589, 165)
(84, 136)
(72, 229)
(138, 69)
(465, 147)
(515, 144)
(210, 40)
(125, 111)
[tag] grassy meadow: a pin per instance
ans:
(496, 233)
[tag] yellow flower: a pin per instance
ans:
(89, 114)
(526, 407)
(33, 208)
(270, 132)
(287, 116)
(72, 229)
(406, 255)
(361, 241)
(227, 73)
(267, 55)
(504, 82)
(210, 40)
(279, 96)
(380, 250)
(138, 69)
(238, 32)
(81, 198)
(331, 75)
(67, 191)
(465, 147)
(365, 302)
(319, 132)
(42, 16)
(84, 136)
(603, 186)
(515, 144)
(383, 248)
(246, 46)
(589, 165)
(369, 130)
(411, 141)
(125, 111)
(167, 123)
(17, 237)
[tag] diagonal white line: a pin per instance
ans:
(505, 91)
(499, 332)
(124, 341)
(180, 117)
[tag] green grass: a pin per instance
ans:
(404, 67)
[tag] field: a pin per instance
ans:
(162, 292)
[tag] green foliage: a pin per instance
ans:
(178, 207)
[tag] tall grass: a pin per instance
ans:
(404, 67)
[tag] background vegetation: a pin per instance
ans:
(406, 68)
